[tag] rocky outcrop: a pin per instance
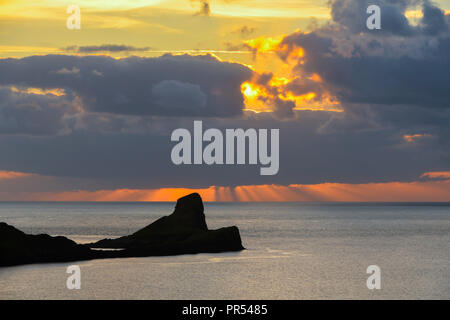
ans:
(17, 247)
(184, 231)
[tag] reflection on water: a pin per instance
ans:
(295, 251)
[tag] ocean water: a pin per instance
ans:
(294, 251)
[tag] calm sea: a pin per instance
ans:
(294, 251)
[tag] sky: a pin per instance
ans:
(87, 114)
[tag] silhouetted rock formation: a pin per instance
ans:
(17, 247)
(184, 231)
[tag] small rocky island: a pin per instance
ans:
(183, 232)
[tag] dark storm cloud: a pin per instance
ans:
(434, 20)
(23, 113)
(105, 48)
(372, 69)
(390, 84)
(381, 80)
(127, 86)
(179, 95)
(315, 147)
(352, 15)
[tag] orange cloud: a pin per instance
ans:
(56, 92)
(264, 44)
(268, 95)
(436, 175)
(414, 137)
(7, 175)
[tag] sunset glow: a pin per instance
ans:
(422, 191)
(6, 175)
(86, 114)
(436, 175)
(414, 137)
